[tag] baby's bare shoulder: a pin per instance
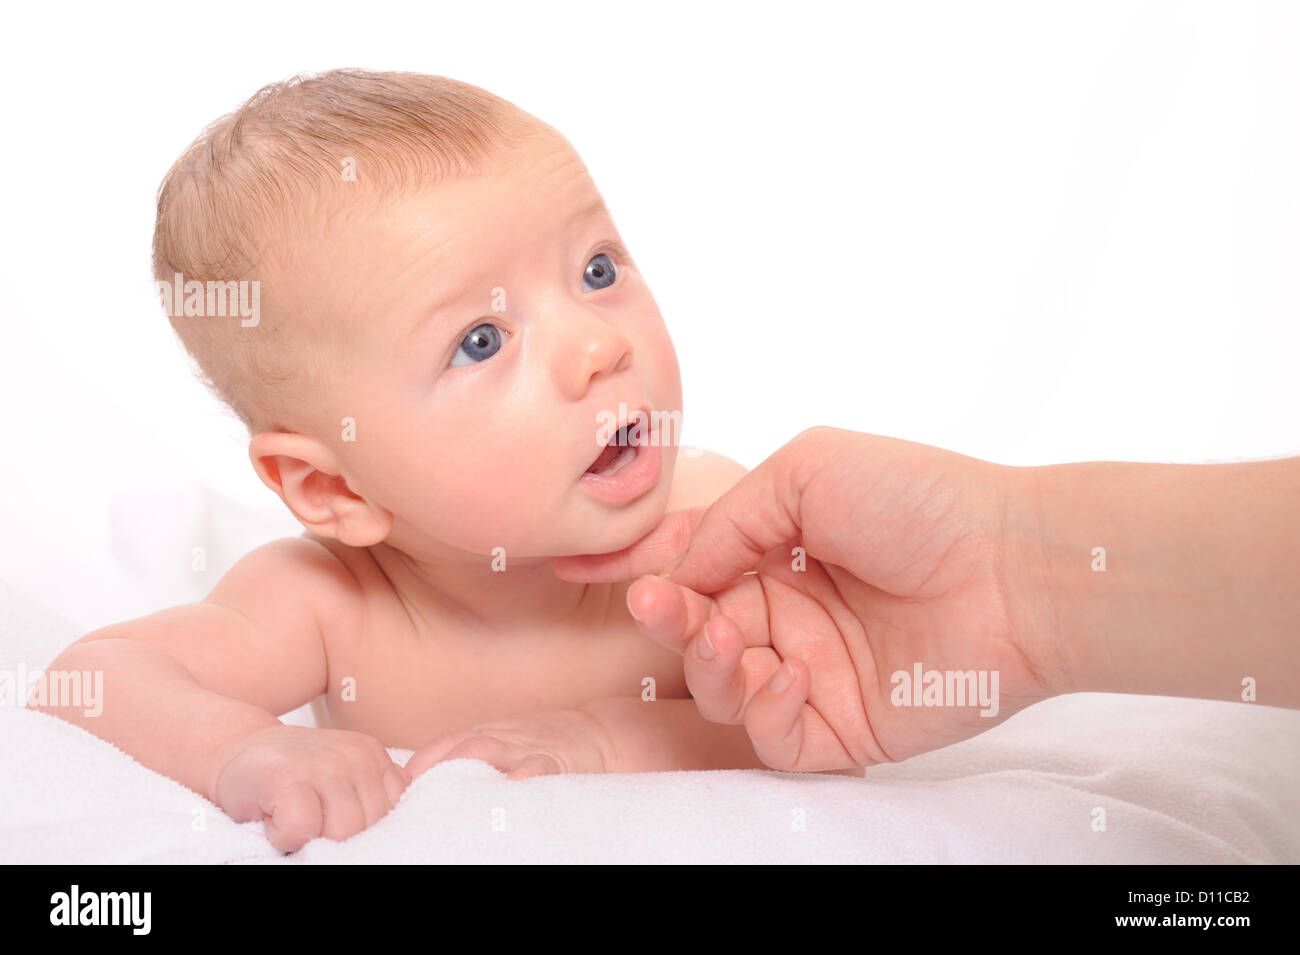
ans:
(354, 590)
(362, 603)
(294, 584)
(291, 570)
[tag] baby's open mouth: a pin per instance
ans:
(615, 456)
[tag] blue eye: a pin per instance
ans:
(600, 273)
(480, 344)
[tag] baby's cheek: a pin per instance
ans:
(666, 368)
(478, 505)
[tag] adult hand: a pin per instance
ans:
(870, 556)
(1164, 579)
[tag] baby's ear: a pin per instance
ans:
(307, 477)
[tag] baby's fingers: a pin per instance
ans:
(490, 750)
(373, 797)
(344, 814)
(293, 817)
(396, 780)
(537, 764)
(435, 751)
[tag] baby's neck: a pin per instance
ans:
(525, 590)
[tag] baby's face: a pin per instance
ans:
(491, 320)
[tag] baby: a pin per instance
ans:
(446, 344)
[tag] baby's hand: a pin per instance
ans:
(308, 782)
(560, 741)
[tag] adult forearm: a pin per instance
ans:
(1174, 579)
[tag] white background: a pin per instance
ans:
(1030, 232)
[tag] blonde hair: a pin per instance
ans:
(236, 198)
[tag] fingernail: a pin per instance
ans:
(705, 647)
(782, 680)
(628, 600)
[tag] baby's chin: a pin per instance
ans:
(616, 530)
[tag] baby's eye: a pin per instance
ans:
(480, 344)
(600, 273)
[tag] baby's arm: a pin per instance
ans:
(194, 690)
(622, 734)
(642, 736)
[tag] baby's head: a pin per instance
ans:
(444, 316)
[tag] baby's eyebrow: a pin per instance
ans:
(436, 310)
(588, 212)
